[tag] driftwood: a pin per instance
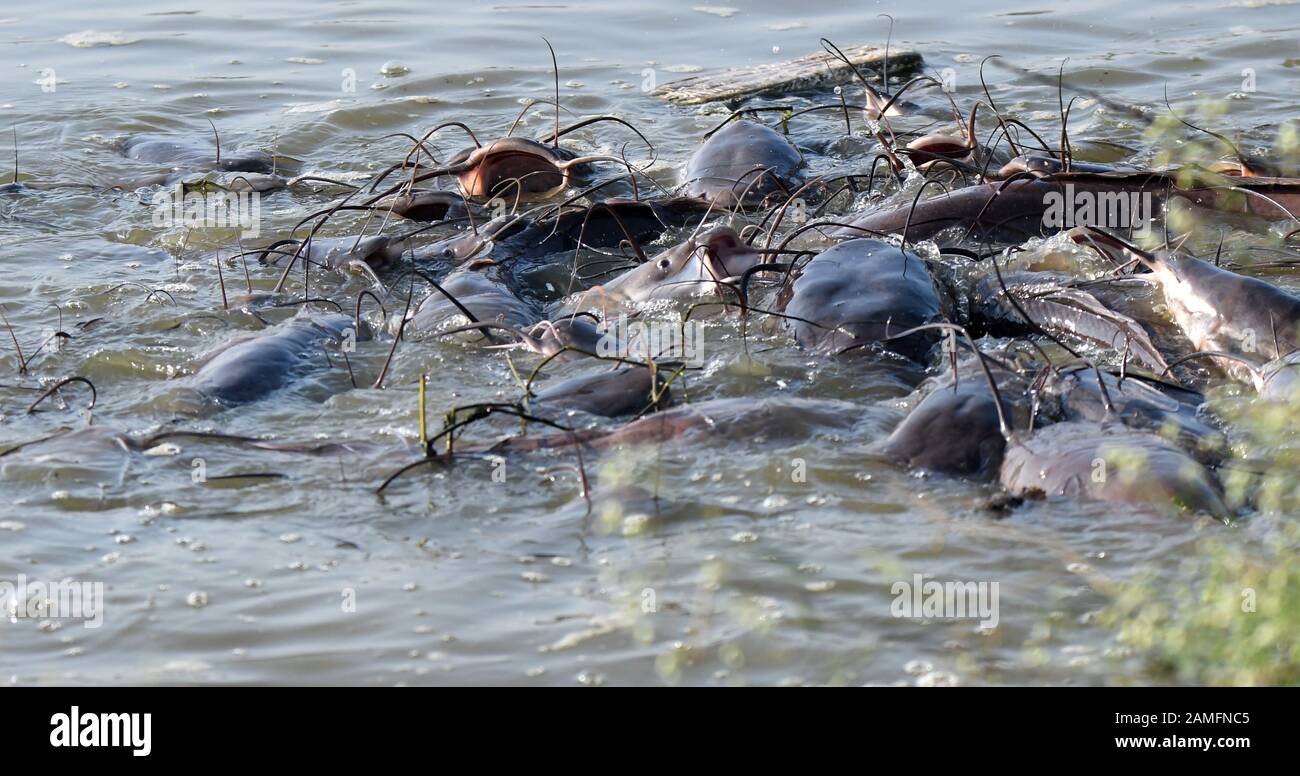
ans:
(807, 72)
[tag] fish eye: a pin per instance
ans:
(665, 263)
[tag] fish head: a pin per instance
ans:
(464, 247)
(689, 268)
(512, 168)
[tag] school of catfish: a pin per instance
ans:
(1080, 378)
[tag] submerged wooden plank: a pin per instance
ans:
(812, 71)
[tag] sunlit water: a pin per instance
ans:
(702, 560)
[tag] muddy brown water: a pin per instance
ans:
(703, 561)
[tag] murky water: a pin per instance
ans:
(702, 560)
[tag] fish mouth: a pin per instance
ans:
(513, 174)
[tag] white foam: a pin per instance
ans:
(94, 39)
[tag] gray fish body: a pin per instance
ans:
(1113, 464)
(91, 454)
(254, 367)
(189, 156)
(772, 420)
(235, 182)
(487, 299)
(1013, 212)
(1006, 211)
(579, 333)
(604, 225)
(241, 182)
(609, 394)
(1043, 164)
(1170, 412)
(1071, 313)
(863, 291)
(1220, 310)
(1279, 380)
(607, 224)
(742, 164)
(378, 251)
(955, 430)
(775, 421)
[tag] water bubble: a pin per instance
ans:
(635, 524)
(937, 679)
(198, 599)
(918, 667)
(591, 678)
